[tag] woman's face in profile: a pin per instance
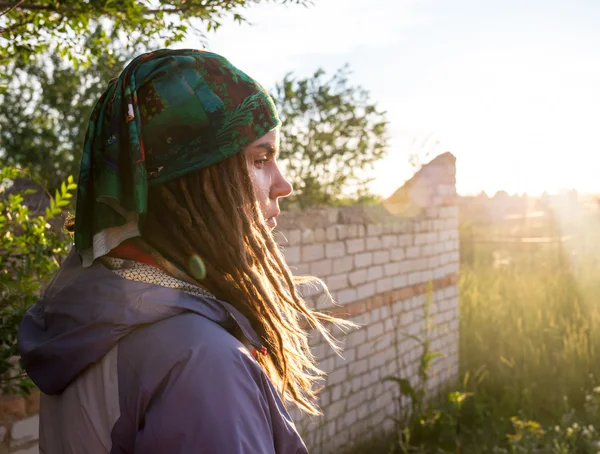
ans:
(269, 182)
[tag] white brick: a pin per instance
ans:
(389, 241)
(320, 235)
(292, 255)
(337, 376)
(383, 285)
(25, 430)
(355, 245)
(363, 260)
(321, 268)
(405, 240)
(362, 412)
(426, 275)
(327, 365)
(412, 252)
(397, 254)
(300, 269)
(365, 350)
(453, 268)
(420, 239)
(375, 330)
(337, 282)
(308, 236)
(427, 250)
(356, 385)
(347, 358)
(324, 398)
(377, 360)
(357, 277)
(32, 450)
(399, 281)
(349, 418)
(353, 231)
(366, 290)
(398, 227)
(336, 393)
(358, 367)
(449, 245)
(374, 229)
(342, 232)
(294, 237)
(381, 257)
(420, 227)
(313, 252)
(421, 264)
(3, 432)
(347, 296)
(343, 264)
(356, 338)
(452, 223)
(433, 262)
(385, 341)
(391, 269)
(331, 233)
(374, 243)
(432, 212)
(456, 246)
(374, 273)
(408, 318)
(334, 250)
(407, 266)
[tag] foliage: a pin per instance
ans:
(81, 29)
(30, 252)
(331, 136)
(43, 115)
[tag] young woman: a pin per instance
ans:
(174, 326)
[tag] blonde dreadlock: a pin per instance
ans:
(214, 213)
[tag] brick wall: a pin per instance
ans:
(19, 424)
(381, 265)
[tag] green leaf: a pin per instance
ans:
(405, 387)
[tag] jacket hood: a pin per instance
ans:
(85, 311)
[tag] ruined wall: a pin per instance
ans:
(382, 265)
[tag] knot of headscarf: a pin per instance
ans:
(169, 113)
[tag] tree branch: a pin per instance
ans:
(16, 5)
(27, 6)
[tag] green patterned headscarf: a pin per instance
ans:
(169, 113)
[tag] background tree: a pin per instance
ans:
(44, 113)
(331, 137)
(81, 29)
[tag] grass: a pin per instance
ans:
(529, 358)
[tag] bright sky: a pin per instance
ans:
(511, 87)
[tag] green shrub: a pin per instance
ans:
(30, 252)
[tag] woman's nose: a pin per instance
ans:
(280, 186)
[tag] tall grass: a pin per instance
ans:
(532, 334)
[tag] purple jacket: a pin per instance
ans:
(130, 367)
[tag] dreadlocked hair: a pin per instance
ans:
(214, 213)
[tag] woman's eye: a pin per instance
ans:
(260, 163)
